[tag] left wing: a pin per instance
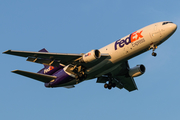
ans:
(127, 82)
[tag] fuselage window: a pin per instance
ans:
(164, 23)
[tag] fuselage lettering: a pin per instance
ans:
(131, 38)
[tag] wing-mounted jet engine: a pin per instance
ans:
(78, 67)
(91, 56)
(137, 71)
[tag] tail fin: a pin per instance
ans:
(43, 50)
(48, 70)
(45, 66)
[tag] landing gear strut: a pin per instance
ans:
(153, 47)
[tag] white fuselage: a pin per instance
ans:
(130, 46)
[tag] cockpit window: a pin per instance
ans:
(164, 23)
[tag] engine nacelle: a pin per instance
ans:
(91, 56)
(137, 71)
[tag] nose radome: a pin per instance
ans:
(173, 27)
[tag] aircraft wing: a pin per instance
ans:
(120, 77)
(43, 57)
(37, 76)
(53, 59)
(127, 81)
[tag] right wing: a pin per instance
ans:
(45, 57)
(54, 59)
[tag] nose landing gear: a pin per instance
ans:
(153, 47)
(154, 54)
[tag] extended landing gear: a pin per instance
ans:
(153, 47)
(110, 85)
(154, 54)
(78, 71)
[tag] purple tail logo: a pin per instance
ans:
(48, 69)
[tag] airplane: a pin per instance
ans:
(108, 64)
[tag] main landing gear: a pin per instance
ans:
(153, 47)
(109, 85)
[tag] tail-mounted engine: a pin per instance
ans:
(91, 56)
(137, 71)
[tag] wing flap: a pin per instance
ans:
(44, 61)
(37, 76)
(127, 82)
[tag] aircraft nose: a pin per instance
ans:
(170, 28)
(173, 27)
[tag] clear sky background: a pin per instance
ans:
(78, 26)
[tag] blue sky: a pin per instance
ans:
(78, 27)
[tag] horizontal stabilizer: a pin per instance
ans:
(37, 76)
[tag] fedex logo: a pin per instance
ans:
(132, 37)
(87, 54)
(48, 69)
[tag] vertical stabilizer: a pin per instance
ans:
(48, 70)
(43, 50)
(45, 66)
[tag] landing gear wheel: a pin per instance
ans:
(109, 86)
(153, 47)
(105, 85)
(113, 85)
(154, 54)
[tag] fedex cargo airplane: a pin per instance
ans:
(108, 64)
